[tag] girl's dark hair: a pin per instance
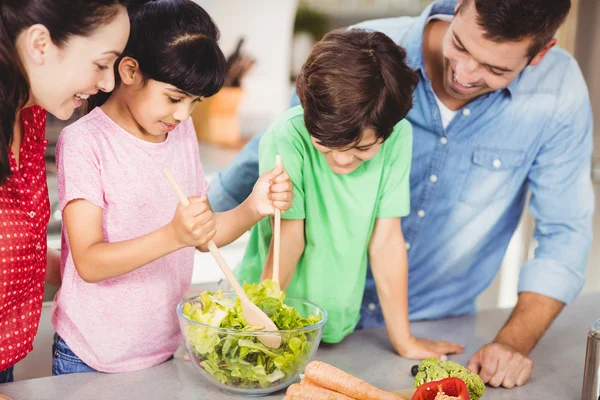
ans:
(63, 18)
(175, 42)
(351, 81)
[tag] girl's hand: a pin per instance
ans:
(193, 225)
(273, 189)
(420, 349)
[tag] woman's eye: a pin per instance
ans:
(102, 67)
(172, 100)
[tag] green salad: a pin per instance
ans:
(238, 359)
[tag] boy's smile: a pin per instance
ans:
(346, 160)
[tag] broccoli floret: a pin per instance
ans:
(431, 370)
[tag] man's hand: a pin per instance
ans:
(505, 361)
(501, 365)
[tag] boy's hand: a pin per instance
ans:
(273, 189)
(420, 349)
(193, 225)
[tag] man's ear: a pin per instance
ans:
(542, 53)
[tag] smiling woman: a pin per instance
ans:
(51, 61)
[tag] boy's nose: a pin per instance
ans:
(343, 159)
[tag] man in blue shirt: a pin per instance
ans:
(499, 111)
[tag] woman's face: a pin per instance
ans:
(61, 77)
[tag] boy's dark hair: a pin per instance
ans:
(514, 20)
(354, 80)
(175, 42)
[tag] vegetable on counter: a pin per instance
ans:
(325, 382)
(432, 369)
(238, 358)
(446, 389)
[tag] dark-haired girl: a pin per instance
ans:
(53, 54)
(128, 246)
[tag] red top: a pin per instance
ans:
(24, 216)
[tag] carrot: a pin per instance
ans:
(339, 381)
(314, 391)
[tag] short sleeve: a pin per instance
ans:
(394, 196)
(282, 139)
(78, 169)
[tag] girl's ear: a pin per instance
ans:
(129, 71)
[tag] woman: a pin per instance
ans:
(53, 55)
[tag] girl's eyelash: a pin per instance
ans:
(174, 100)
(461, 49)
(102, 67)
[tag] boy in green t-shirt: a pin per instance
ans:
(347, 150)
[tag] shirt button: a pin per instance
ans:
(421, 213)
(372, 307)
(466, 112)
(444, 140)
(433, 178)
(497, 163)
(407, 246)
(32, 214)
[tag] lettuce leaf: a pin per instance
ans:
(239, 359)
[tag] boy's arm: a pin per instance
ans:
(96, 260)
(389, 263)
(292, 247)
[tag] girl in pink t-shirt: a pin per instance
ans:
(128, 245)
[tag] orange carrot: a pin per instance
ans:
(314, 391)
(339, 381)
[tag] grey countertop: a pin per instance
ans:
(558, 363)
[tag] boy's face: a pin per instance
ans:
(347, 160)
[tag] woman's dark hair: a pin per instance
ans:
(354, 80)
(175, 42)
(514, 20)
(63, 18)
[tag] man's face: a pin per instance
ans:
(474, 65)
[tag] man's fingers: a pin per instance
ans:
(474, 364)
(510, 379)
(274, 173)
(282, 177)
(501, 371)
(489, 365)
(525, 372)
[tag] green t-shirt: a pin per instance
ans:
(339, 213)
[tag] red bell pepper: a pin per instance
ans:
(453, 387)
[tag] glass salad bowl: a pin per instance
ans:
(233, 358)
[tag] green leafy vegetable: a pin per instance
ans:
(239, 359)
(432, 369)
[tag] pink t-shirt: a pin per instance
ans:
(126, 323)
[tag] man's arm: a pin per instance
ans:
(562, 203)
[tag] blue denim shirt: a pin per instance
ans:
(469, 182)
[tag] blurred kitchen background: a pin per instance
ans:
(267, 41)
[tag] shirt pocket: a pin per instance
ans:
(491, 175)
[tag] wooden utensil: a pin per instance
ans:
(254, 315)
(276, 235)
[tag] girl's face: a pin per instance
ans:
(62, 77)
(158, 107)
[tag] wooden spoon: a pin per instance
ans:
(254, 315)
(276, 236)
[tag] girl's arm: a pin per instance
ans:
(97, 260)
(292, 247)
(389, 263)
(273, 189)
